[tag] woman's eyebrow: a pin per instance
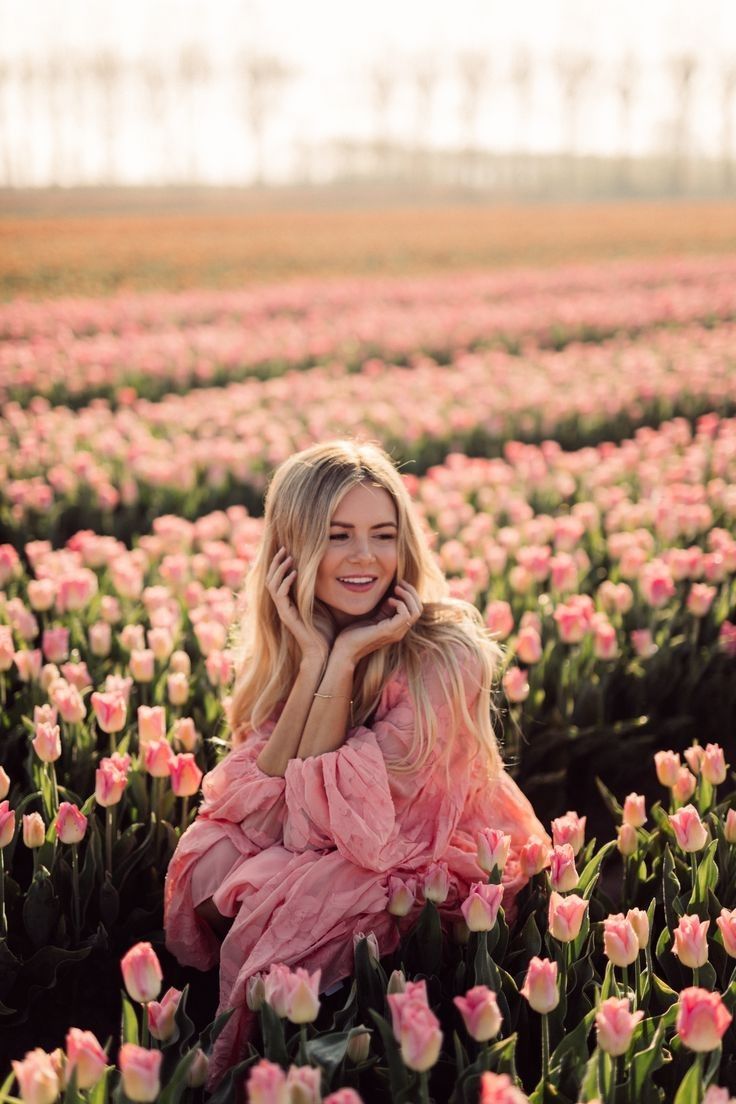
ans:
(347, 525)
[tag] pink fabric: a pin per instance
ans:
(307, 857)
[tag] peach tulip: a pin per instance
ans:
(142, 973)
(627, 840)
(480, 1013)
(565, 916)
(540, 985)
(47, 742)
(151, 724)
(667, 764)
(38, 1079)
(615, 1025)
(690, 832)
(635, 812)
(702, 1019)
(620, 941)
(563, 873)
(714, 765)
(729, 828)
(690, 941)
(141, 1073)
(533, 857)
(34, 830)
(639, 921)
(480, 908)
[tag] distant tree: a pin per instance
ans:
(382, 87)
(106, 70)
(53, 76)
(7, 173)
(193, 71)
(682, 69)
(521, 76)
(153, 80)
(728, 93)
(573, 72)
(424, 75)
(474, 70)
(625, 81)
(261, 78)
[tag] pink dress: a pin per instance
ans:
(302, 862)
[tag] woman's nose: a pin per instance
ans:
(363, 552)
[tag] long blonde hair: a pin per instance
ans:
(300, 501)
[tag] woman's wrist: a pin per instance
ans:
(342, 658)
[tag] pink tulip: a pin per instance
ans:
(277, 988)
(420, 1036)
(110, 711)
(402, 893)
(529, 645)
(690, 832)
(177, 688)
(498, 1088)
(716, 1095)
(55, 644)
(569, 828)
(185, 734)
(142, 973)
(34, 830)
(493, 849)
(691, 943)
(38, 1080)
(639, 921)
(100, 639)
(702, 1019)
(480, 908)
(71, 823)
(572, 624)
(533, 857)
(727, 925)
(303, 1084)
(500, 619)
(700, 599)
(303, 999)
(151, 724)
(185, 775)
(85, 1055)
(141, 665)
(110, 782)
(4, 783)
(161, 1014)
(605, 641)
(714, 765)
(28, 664)
(684, 786)
(436, 884)
(41, 594)
(540, 985)
(47, 742)
(7, 824)
(70, 703)
(695, 755)
(516, 685)
(643, 644)
(656, 584)
(374, 953)
(668, 767)
(480, 1013)
(407, 992)
(565, 916)
(267, 1083)
(180, 661)
(197, 1073)
(729, 828)
(615, 1025)
(563, 873)
(141, 1072)
(627, 840)
(620, 941)
(343, 1096)
(635, 812)
(158, 758)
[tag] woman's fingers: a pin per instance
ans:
(283, 589)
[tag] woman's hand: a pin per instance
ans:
(391, 623)
(314, 642)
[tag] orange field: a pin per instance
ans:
(56, 250)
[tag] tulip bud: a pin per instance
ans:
(38, 1080)
(730, 826)
(303, 1000)
(141, 664)
(436, 884)
(493, 849)
(185, 775)
(359, 1046)
(47, 742)
(627, 840)
(255, 993)
(100, 639)
(7, 824)
(615, 1025)
(401, 895)
(4, 783)
(142, 973)
(480, 908)
(684, 786)
(667, 764)
(71, 823)
(180, 663)
(533, 857)
(640, 923)
(110, 782)
(702, 1019)
(540, 986)
(197, 1073)
(570, 829)
(480, 1013)
(151, 724)
(714, 765)
(565, 916)
(694, 756)
(185, 734)
(374, 953)
(563, 873)
(620, 941)
(85, 1055)
(635, 812)
(34, 830)
(158, 758)
(690, 941)
(177, 688)
(690, 832)
(162, 1014)
(397, 982)
(140, 1069)
(110, 711)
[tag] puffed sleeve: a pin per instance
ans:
(348, 798)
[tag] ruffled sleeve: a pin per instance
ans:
(350, 799)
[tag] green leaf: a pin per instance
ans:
(41, 908)
(689, 1090)
(329, 1050)
(98, 1095)
(670, 890)
(574, 1046)
(129, 1024)
(177, 1084)
(398, 1073)
(5, 1088)
(610, 801)
(644, 1064)
(213, 1030)
(274, 1043)
(591, 870)
(706, 877)
(228, 1089)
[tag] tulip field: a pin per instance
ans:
(568, 436)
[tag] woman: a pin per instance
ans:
(362, 740)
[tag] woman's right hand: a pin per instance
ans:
(314, 644)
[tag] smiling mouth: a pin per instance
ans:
(358, 582)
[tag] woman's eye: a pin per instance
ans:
(387, 536)
(338, 536)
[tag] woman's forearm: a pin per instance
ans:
(329, 716)
(283, 742)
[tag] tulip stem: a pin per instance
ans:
(75, 894)
(54, 789)
(696, 975)
(184, 814)
(108, 838)
(625, 980)
(145, 1037)
(545, 1048)
(424, 1087)
(303, 1059)
(3, 919)
(637, 981)
(693, 870)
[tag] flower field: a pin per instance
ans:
(569, 438)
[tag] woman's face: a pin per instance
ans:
(359, 565)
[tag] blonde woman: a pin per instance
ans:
(362, 740)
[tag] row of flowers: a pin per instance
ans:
(151, 344)
(113, 469)
(569, 1000)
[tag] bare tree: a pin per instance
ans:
(521, 78)
(53, 76)
(474, 72)
(193, 72)
(573, 70)
(106, 71)
(28, 78)
(728, 92)
(382, 85)
(262, 78)
(7, 174)
(625, 81)
(424, 74)
(152, 77)
(682, 70)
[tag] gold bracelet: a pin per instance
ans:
(341, 697)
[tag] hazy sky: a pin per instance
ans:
(331, 48)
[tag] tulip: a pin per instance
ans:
(684, 786)
(643, 644)
(690, 832)
(185, 734)
(151, 724)
(4, 784)
(303, 1085)
(55, 644)
(180, 661)
(141, 664)
(185, 775)
(436, 884)
(480, 908)
(569, 828)
(100, 638)
(516, 685)
(267, 1084)
(615, 1025)
(255, 992)
(716, 1095)
(639, 921)
(71, 823)
(627, 840)
(34, 830)
(177, 688)
(396, 983)
(141, 1072)
(28, 664)
(47, 742)
(85, 1055)
(7, 824)
(714, 765)
(197, 1073)
(702, 1019)
(565, 916)
(157, 758)
(142, 973)
(480, 1012)
(620, 941)
(695, 756)
(359, 1047)
(667, 764)
(727, 925)
(277, 988)
(700, 599)
(162, 1014)
(110, 782)
(401, 895)
(635, 812)
(533, 857)
(498, 1088)
(529, 645)
(110, 711)
(729, 830)
(499, 619)
(374, 954)
(38, 1080)
(691, 944)
(563, 873)
(303, 996)
(420, 1036)
(540, 985)
(493, 849)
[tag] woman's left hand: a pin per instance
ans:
(395, 617)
